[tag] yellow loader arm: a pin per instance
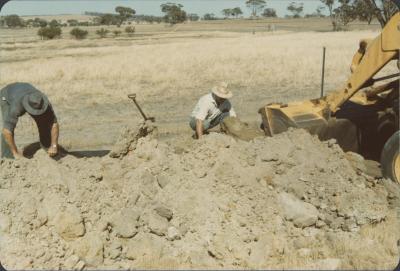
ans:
(313, 115)
(369, 60)
(364, 122)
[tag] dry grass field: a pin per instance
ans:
(169, 68)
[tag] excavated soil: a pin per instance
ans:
(289, 201)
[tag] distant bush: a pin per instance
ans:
(117, 33)
(49, 32)
(209, 17)
(73, 22)
(84, 23)
(37, 22)
(102, 32)
(13, 21)
(108, 19)
(78, 33)
(130, 30)
(54, 23)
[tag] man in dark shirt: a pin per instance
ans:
(18, 98)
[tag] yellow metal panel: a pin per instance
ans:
(278, 118)
(391, 34)
(374, 59)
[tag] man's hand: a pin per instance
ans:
(53, 150)
(9, 138)
(18, 155)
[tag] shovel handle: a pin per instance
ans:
(133, 98)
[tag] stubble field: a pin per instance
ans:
(88, 81)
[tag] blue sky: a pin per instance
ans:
(149, 7)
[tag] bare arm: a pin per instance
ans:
(199, 128)
(55, 129)
(9, 138)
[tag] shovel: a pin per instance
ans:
(133, 98)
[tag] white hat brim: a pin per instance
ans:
(227, 95)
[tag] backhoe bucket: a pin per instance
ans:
(309, 115)
(313, 116)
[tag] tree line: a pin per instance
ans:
(340, 12)
(47, 33)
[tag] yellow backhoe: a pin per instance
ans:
(362, 116)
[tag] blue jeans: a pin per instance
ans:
(208, 124)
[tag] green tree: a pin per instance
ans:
(227, 12)
(237, 12)
(125, 13)
(54, 23)
(37, 22)
(269, 13)
(209, 17)
(296, 9)
(173, 13)
(255, 6)
(49, 32)
(108, 19)
(13, 21)
(344, 14)
(78, 33)
(383, 10)
(102, 32)
(330, 5)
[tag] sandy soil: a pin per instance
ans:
(282, 202)
(285, 202)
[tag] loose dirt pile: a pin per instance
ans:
(287, 201)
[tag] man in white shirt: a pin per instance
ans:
(211, 109)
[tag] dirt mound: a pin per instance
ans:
(129, 137)
(241, 130)
(288, 201)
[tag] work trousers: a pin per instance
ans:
(208, 124)
(5, 149)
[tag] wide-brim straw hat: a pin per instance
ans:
(35, 103)
(222, 91)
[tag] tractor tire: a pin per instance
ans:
(390, 158)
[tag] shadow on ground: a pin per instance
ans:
(30, 151)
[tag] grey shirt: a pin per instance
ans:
(14, 94)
